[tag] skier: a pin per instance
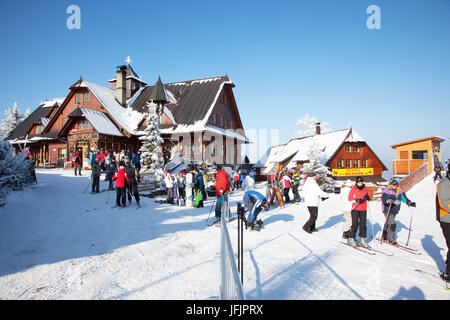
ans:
(137, 164)
(76, 160)
(437, 172)
(235, 180)
(391, 199)
(443, 216)
(132, 188)
(199, 188)
(359, 195)
(110, 173)
(169, 185)
(249, 183)
(122, 178)
(254, 202)
(295, 185)
(286, 184)
(181, 183)
(241, 178)
(96, 171)
(222, 190)
(313, 194)
(253, 174)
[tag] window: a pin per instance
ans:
(348, 163)
(86, 96)
(87, 125)
(114, 86)
(64, 122)
(364, 163)
(355, 149)
(128, 85)
(78, 98)
(355, 163)
(39, 129)
(347, 148)
(94, 135)
(340, 163)
(79, 125)
(133, 86)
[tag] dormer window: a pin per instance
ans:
(86, 96)
(78, 98)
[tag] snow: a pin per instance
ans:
(101, 122)
(57, 242)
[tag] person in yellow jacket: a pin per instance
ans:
(443, 216)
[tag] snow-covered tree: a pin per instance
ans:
(316, 158)
(16, 172)
(307, 126)
(13, 118)
(151, 154)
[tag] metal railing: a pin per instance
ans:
(230, 284)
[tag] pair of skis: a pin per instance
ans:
(401, 247)
(370, 251)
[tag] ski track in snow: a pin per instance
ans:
(57, 242)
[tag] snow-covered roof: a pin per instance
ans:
(126, 117)
(45, 121)
(101, 122)
(298, 148)
(51, 102)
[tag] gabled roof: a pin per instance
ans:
(433, 138)
(193, 99)
(99, 120)
(43, 111)
(297, 149)
(127, 118)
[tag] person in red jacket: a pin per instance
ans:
(121, 178)
(358, 195)
(222, 190)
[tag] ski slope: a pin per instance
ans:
(57, 242)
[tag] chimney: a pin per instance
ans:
(121, 85)
(318, 128)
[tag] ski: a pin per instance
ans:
(436, 276)
(378, 251)
(214, 222)
(359, 249)
(404, 248)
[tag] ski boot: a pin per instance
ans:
(352, 242)
(444, 276)
(362, 243)
(345, 235)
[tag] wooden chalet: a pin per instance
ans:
(347, 155)
(198, 115)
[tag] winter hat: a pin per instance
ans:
(359, 179)
(393, 182)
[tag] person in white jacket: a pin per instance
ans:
(249, 183)
(313, 194)
(168, 179)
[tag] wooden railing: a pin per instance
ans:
(406, 166)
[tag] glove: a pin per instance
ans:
(324, 198)
(389, 201)
(412, 204)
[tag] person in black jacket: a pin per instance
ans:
(96, 171)
(443, 216)
(132, 188)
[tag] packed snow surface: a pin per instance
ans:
(60, 243)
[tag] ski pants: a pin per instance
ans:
(295, 192)
(169, 196)
(132, 190)
(389, 232)
(120, 196)
(286, 195)
(95, 183)
(313, 214)
(77, 167)
(446, 231)
(220, 202)
(359, 219)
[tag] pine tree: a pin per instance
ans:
(151, 154)
(308, 126)
(16, 172)
(12, 120)
(316, 156)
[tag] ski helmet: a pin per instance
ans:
(393, 182)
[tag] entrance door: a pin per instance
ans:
(83, 145)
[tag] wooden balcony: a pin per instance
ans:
(406, 166)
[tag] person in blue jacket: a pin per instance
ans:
(254, 202)
(391, 200)
(137, 165)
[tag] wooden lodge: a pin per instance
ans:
(200, 121)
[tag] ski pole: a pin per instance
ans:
(85, 189)
(410, 224)
(215, 200)
(370, 217)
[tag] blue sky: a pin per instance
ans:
(287, 58)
